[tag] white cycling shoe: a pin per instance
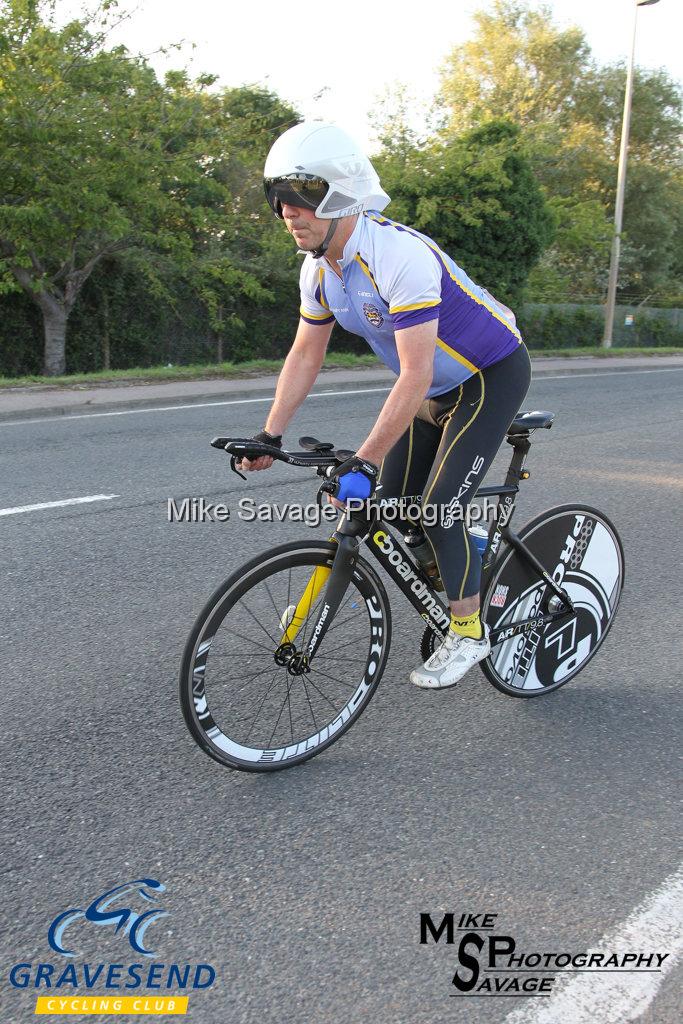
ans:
(449, 662)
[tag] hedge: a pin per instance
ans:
(145, 331)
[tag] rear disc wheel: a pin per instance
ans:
(580, 548)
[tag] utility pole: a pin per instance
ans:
(621, 186)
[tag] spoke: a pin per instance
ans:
(259, 708)
(278, 615)
(270, 741)
(323, 695)
(250, 679)
(340, 647)
(336, 625)
(259, 624)
(232, 679)
(315, 724)
(330, 657)
(247, 640)
(334, 678)
(291, 724)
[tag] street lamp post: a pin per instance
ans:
(621, 184)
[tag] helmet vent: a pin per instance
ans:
(337, 201)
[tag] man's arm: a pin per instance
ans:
(416, 347)
(298, 374)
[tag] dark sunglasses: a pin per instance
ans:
(296, 189)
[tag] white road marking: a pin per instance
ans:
(317, 394)
(176, 408)
(615, 998)
(606, 373)
(57, 504)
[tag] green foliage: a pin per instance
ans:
(477, 197)
(519, 65)
(552, 328)
(569, 269)
(549, 327)
(99, 159)
(132, 211)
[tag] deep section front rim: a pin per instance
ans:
(243, 702)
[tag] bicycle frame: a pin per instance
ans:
(356, 527)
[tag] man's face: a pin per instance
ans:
(307, 230)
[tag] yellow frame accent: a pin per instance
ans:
(306, 601)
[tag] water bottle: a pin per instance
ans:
(421, 550)
(480, 536)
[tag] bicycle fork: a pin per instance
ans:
(337, 579)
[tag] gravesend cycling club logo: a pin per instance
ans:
(373, 315)
(125, 919)
(126, 911)
(489, 963)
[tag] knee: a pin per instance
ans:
(439, 518)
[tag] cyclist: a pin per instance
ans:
(462, 367)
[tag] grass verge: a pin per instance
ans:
(257, 367)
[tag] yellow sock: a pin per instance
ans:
(468, 625)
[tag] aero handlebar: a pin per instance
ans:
(320, 455)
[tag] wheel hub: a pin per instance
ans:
(296, 662)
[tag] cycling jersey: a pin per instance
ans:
(395, 277)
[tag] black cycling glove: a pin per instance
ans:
(266, 438)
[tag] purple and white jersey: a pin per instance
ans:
(395, 277)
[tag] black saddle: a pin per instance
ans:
(526, 421)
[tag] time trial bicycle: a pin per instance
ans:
(289, 650)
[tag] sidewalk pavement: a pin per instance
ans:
(41, 401)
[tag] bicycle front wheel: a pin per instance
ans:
(248, 701)
(580, 548)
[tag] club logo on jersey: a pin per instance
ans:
(373, 315)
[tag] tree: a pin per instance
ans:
(569, 269)
(477, 197)
(517, 66)
(230, 266)
(97, 157)
(522, 67)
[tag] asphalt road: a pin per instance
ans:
(304, 888)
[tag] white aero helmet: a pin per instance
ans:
(318, 166)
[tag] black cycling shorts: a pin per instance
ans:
(445, 454)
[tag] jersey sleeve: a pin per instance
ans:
(409, 278)
(314, 308)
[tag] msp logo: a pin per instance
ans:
(373, 315)
(491, 964)
(111, 988)
(124, 919)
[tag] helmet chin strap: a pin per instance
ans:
(322, 248)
